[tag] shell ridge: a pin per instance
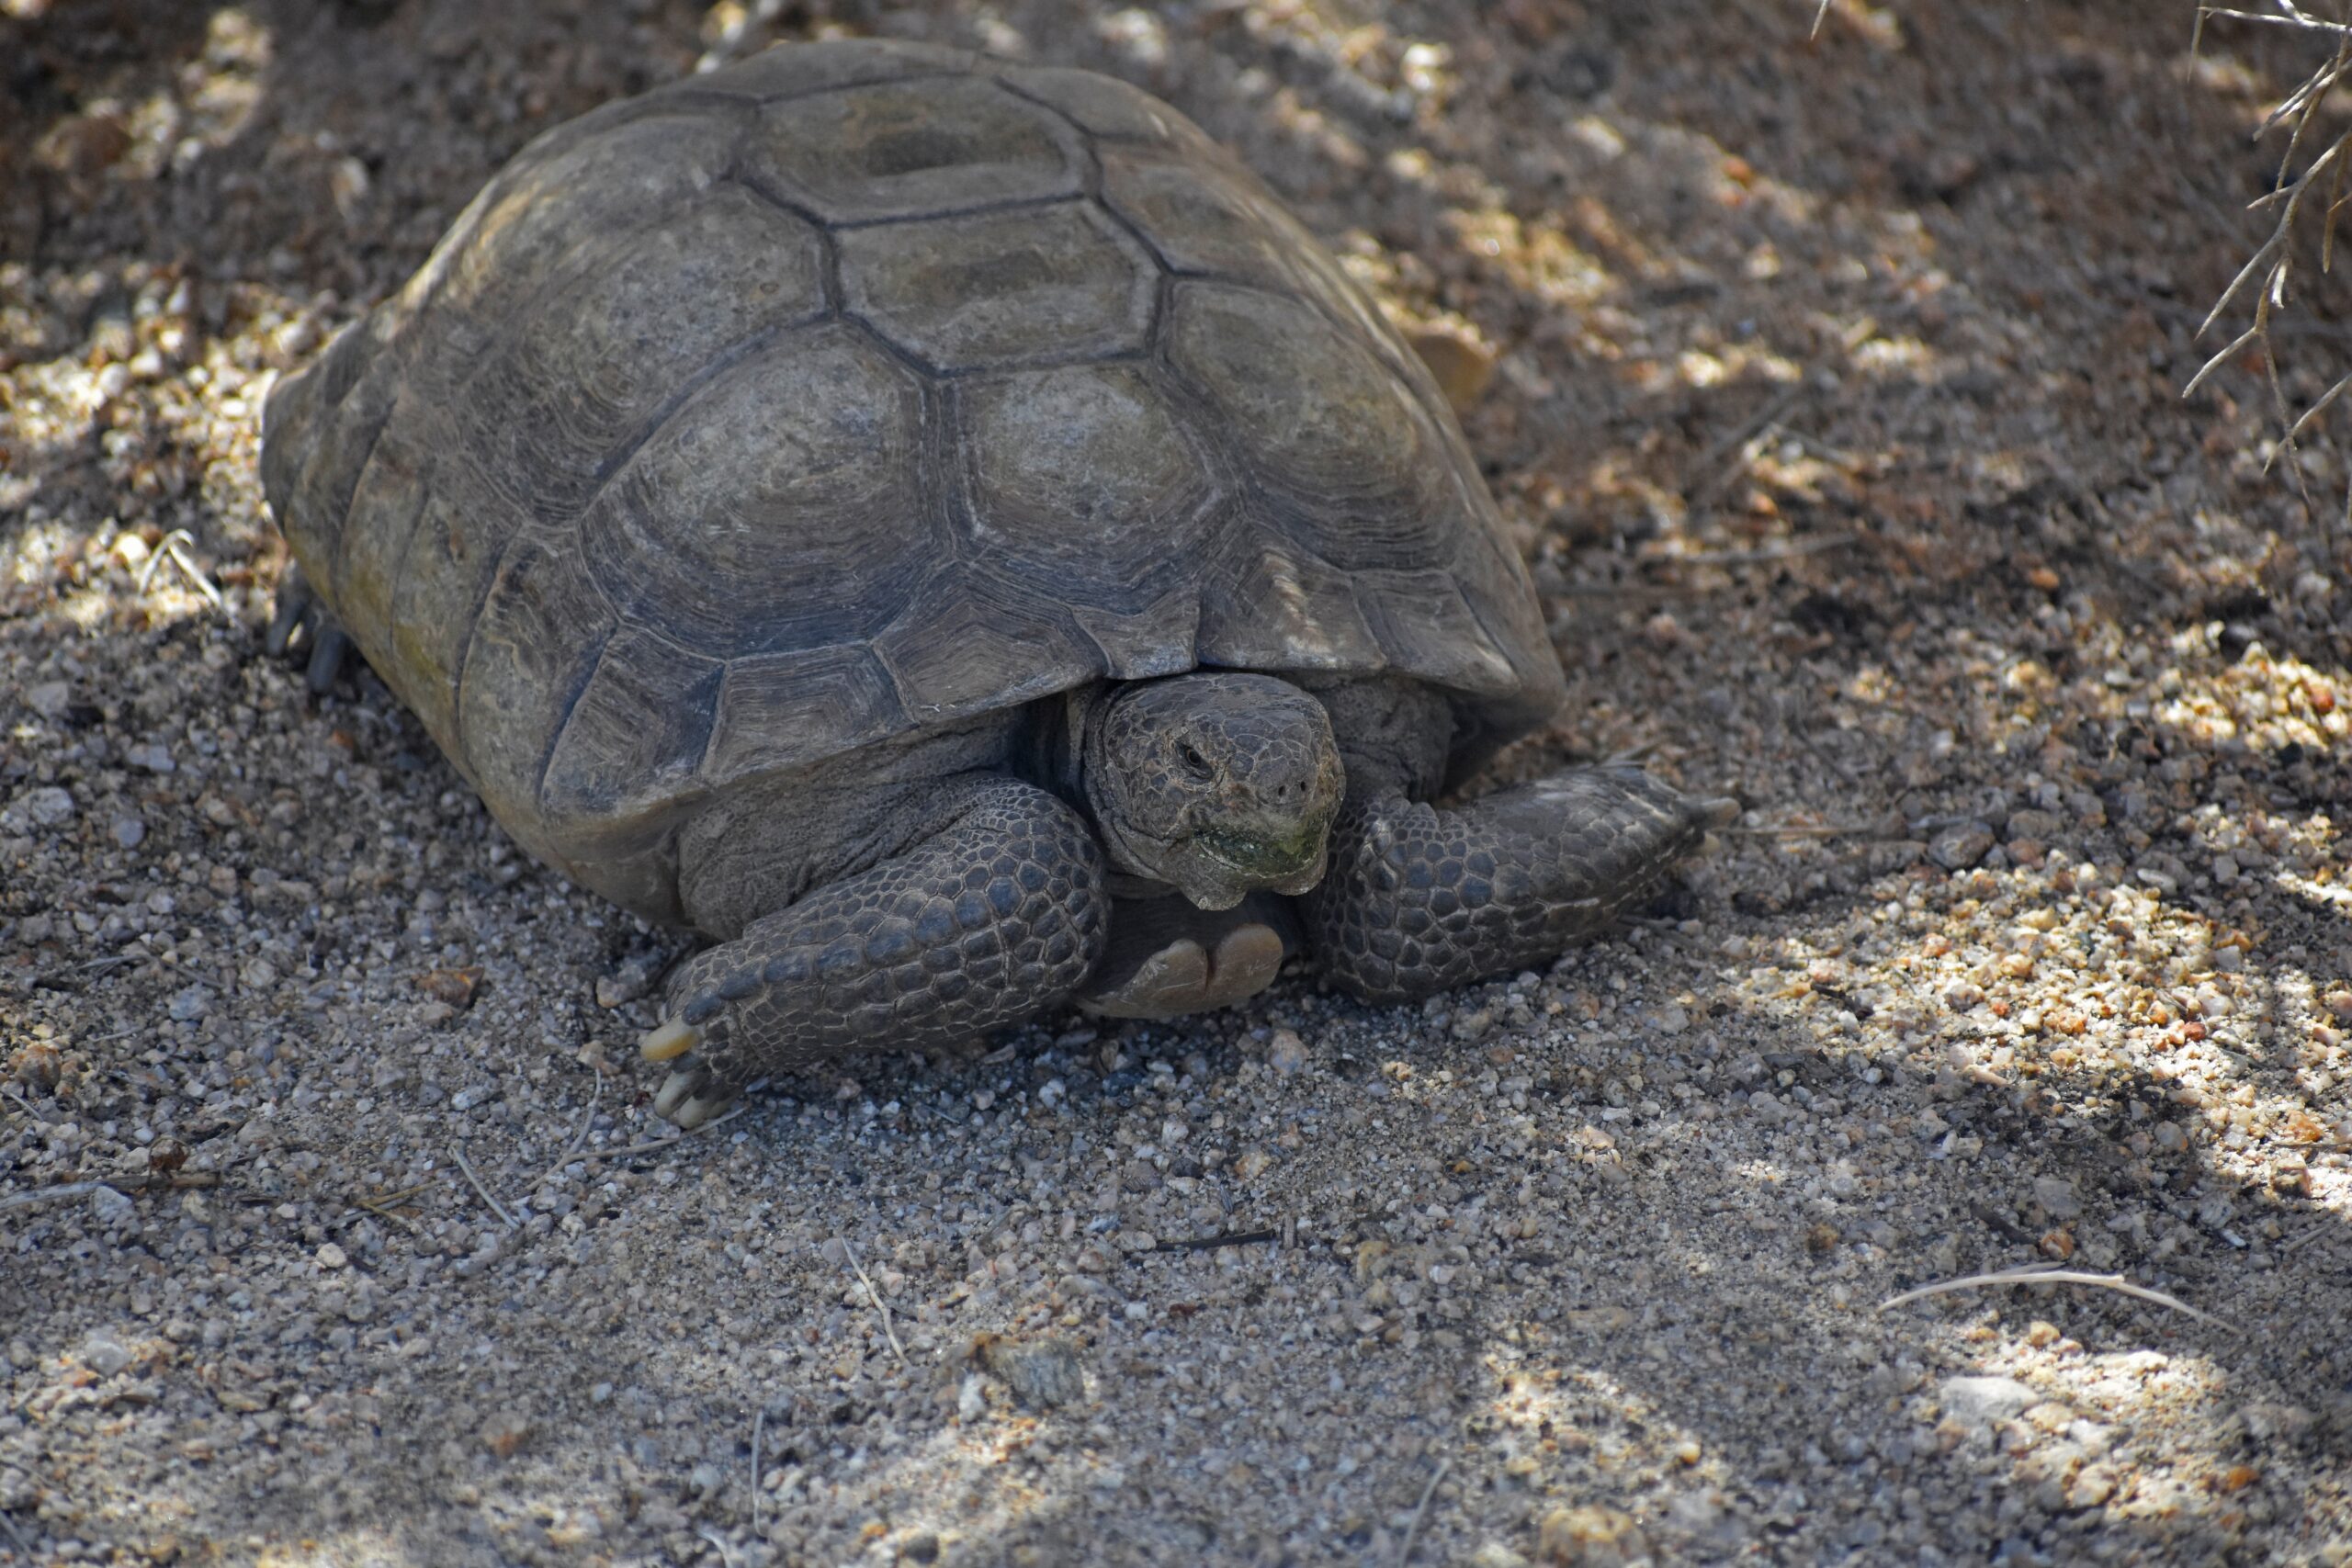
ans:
(827, 89)
(725, 359)
(580, 684)
(749, 179)
(341, 507)
(408, 530)
(465, 653)
(981, 209)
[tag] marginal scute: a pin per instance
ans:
(913, 149)
(320, 477)
(1427, 627)
(533, 648)
(509, 246)
(445, 571)
(781, 711)
(387, 503)
(638, 732)
(1486, 572)
(1031, 286)
(1105, 106)
(969, 645)
(782, 506)
(784, 71)
(1083, 464)
(1272, 605)
(1158, 639)
(1199, 214)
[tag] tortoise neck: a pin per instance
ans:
(1054, 756)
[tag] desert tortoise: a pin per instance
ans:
(938, 527)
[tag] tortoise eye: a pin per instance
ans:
(1197, 765)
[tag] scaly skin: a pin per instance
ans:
(305, 630)
(997, 915)
(1420, 898)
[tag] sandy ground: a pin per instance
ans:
(1834, 388)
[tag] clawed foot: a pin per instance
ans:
(1174, 960)
(1421, 897)
(305, 628)
(693, 1093)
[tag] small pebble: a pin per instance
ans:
(2058, 1196)
(1592, 1536)
(1957, 849)
(1043, 1374)
(1286, 1053)
(1493, 1554)
(50, 806)
(1975, 1400)
(130, 832)
(505, 1433)
(104, 1352)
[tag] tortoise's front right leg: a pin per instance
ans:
(1422, 897)
(996, 914)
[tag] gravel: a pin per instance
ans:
(1833, 391)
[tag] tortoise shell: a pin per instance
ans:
(862, 388)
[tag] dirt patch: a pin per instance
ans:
(1833, 389)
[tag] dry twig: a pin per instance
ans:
(174, 546)
(387, 1205)
(495, 1206)
(2039, 1274)
(888, 1332)
(58, 1194)
(1413, 1530)
(759, 1427)
(123, 1187)
(2270, 269)
(650, 1145)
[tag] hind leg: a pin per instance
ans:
(303, 628)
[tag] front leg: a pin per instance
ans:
(1420, 898)
(995, 914)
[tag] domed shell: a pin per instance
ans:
(859, 388)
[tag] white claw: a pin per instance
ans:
(675, 1091)
(673, 1039)
(701, 1109)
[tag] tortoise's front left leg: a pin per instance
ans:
(995, 911)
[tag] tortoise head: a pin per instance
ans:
(1220, 784)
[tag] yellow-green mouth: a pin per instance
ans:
(1265, 860)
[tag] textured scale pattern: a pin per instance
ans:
(996, 916)
(859, 388)
(1420, 898)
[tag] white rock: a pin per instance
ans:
(2058, 1196)
(1979, 1401)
